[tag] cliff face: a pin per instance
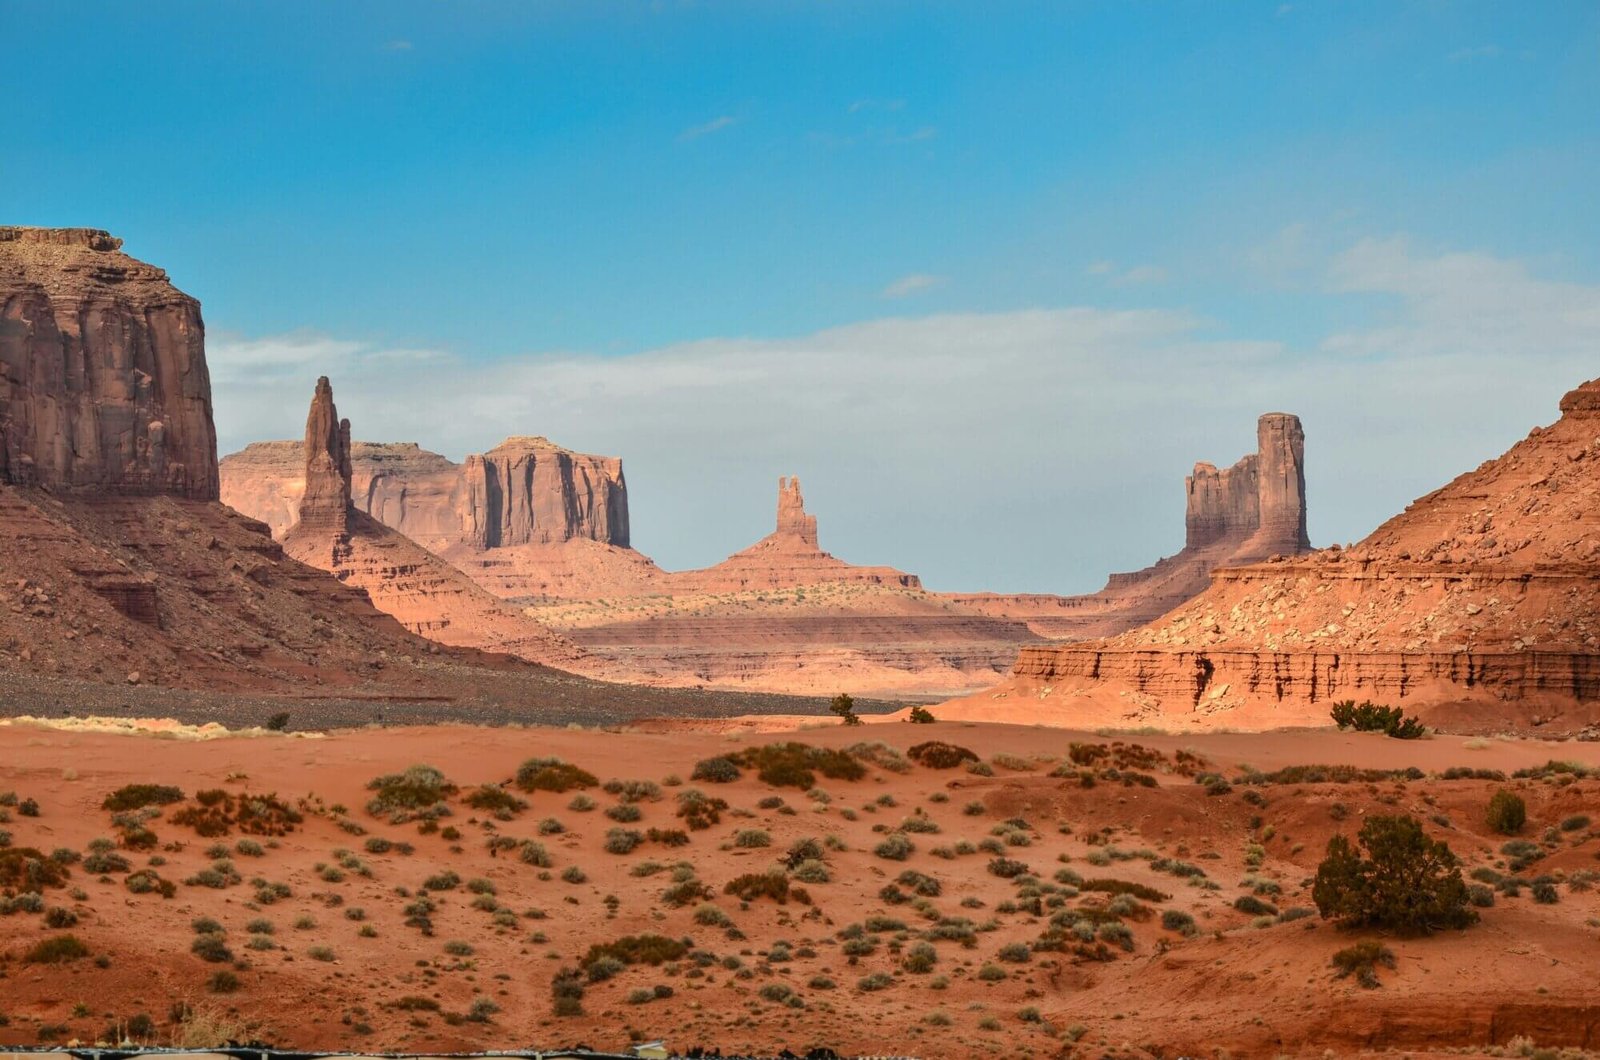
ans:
(103, 381)
(530, 491)
(523, 491)
(1484, 592)
(420, 590)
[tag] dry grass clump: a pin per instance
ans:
(774, 885)
(1362, 961)
(419, 792)
(719, 770)
(495, 800)
(219, 812)
(653, 950)
(699, 810)
(58, 949)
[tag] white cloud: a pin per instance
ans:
(1467, 55)
(1029, 450)
(915, 283)
(1142, 274)
(1101, 268)
(715, 125)
(397, 46)
(918, 135)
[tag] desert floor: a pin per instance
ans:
(351, 931)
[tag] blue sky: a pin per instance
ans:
(990, 277)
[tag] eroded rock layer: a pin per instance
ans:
(103, 382)
(1484, 594)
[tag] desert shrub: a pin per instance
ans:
(1575, 823)
(653, 950)
(211, 946)
(1006, 868)
(936, 754)
(1179, 921)
(811, 871)
(634, 790)
(719, 770)
(566, 992)
(668, 837)
(573, 874)
(844, 708)
(493, 799)
(1405, 882)
(1369, 717)
(921, 716)
(1544, 893)
(1362, 961)
(1015, 953)
(1507, 812)
(919, 824)
(795, 765)
(881, 755)
(148, 881)
(709, 915)
(138, 796)
(553, 775)
(699, 810)
(321, 953)
(991, 973)
(875, 981)
(920, 884)
(104, 862)
(684, 892)
(58, 949)
(1253, 906)
(533, 853)
(27, 869)
(896, 847)
(624, 813)
(581, 803)
(622, 840)
(59, 917)
(754, 885)
(751, 839)
(920, 959)
(447, 880)
(223, 983)
(409, 795)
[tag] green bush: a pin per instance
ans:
(795, 765)
(58, 949)
(138, 796)
(1507, 812)
(1369, 717)
(636, 949)
(719, 770)
(844, 708)
(1405, 882)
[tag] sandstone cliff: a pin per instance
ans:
(1478, 602)
(103, 382)
(523, 491)
(420, 590)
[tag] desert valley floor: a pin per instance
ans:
(1053, 893)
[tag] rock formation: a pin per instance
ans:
(103, 382)
(420, 590)
(1249, 512)
(523, 491)
(792, 518)
(325, 503)
(1480, 600)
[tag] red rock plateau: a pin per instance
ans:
(375, 928)
(1480, 604)
(424, 593)
(782, 615)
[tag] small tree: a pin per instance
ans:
(1507, 812)
(921, 716)
(845, 708)
(1406, 882)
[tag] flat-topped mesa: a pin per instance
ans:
(325, 506)
(530, 491)
(103, 381)
(792, 517)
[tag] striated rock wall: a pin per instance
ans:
(531, 491)
(103, 381)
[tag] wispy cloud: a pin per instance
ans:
(1484, 51)
(918, 135)
(397, 46)
(915, 283)
(1139, 274)
(1101, 268)
(715, 125)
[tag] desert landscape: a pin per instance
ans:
(353, 704)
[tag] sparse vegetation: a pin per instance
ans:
(1370, 717)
